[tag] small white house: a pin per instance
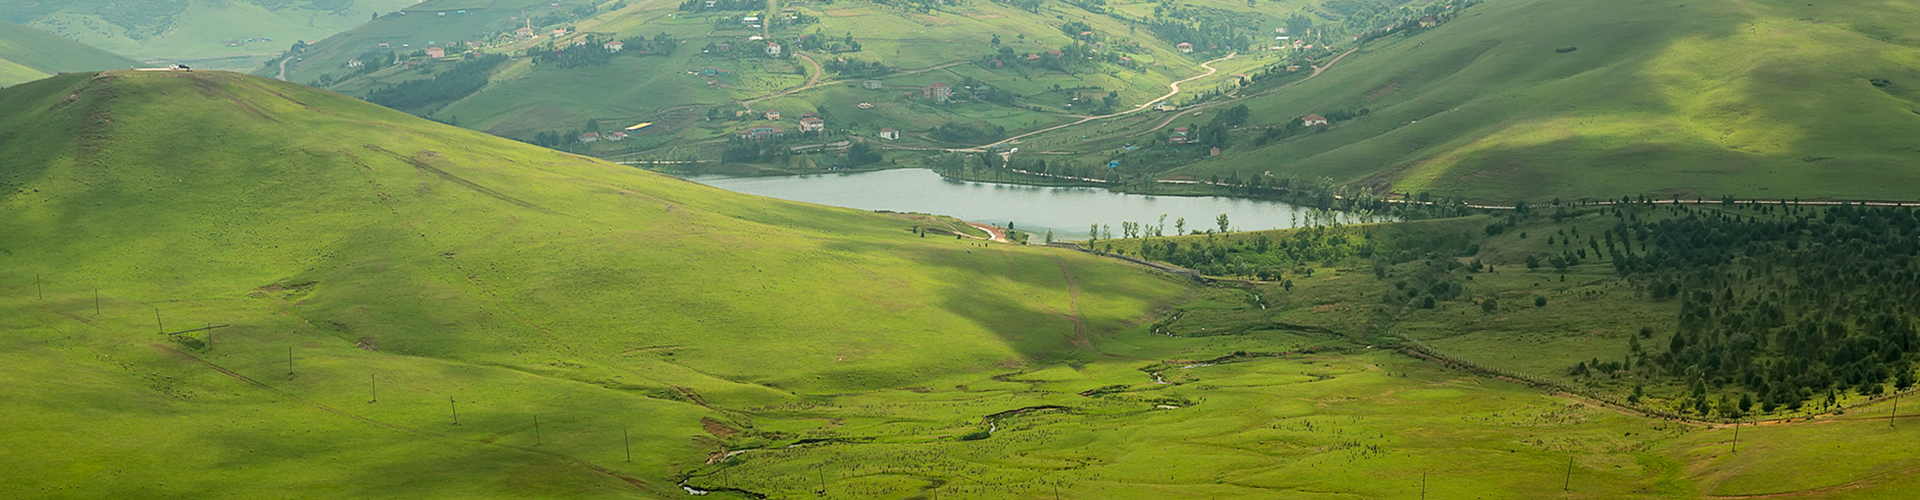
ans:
(1314, 121)
(890, 134)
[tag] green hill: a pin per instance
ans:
(355, 245)
(1014, 66)
(27, 54)
(214, 34)
(1535, 99)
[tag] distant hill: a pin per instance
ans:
(1015, 65)
(378, 256)
(1536, 99)
(238, 34)
(27, 54)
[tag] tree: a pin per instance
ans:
(593, 125)
(1180, 226)
(1539, 301)
(1532, 261)
(1049, 236)
(1222, 220)
(1489, 305)
(1093, 232)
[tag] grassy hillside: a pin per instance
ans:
(1533, 99)
(410, 310)
(1017, 66)
(209, 34)
(375, 248)
(27, 54)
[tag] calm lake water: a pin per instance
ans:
(1066, 210)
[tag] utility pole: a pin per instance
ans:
(376, 388)
(629, 442)
(1568, 486)
(156, 320)
(37, 288)
(1736, 437)
(1896, 409)
(1423, 485)
(536, 431)
(289, 360)
(96, 302)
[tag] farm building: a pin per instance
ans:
(1313, 120)
(891, 134)
(773, 49)
(812, 124)
(1185, 48)
(617, 136)
(614, 46)
(773, 114)
(873, 84)
(1429, 22)
(1179, 136)
(436, 52)
(759, 132)
(590, 137)
(938, 91)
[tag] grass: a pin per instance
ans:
(445, 262)
(199, 30)
(1746, 98)
(27, 54)
(833, 349)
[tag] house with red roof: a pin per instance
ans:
(1313, 121)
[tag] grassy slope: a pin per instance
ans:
(1717, 97)
(520, 282)
(523, 99)
(28, 54)
(200, 31)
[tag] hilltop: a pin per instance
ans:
(206, 33)
(27, 54)
(1538, 99)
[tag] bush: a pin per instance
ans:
(1564, 50)
(1539, 301)
(975, 436)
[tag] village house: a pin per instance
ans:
(939, 92)
(614, 46)
(873, 84)
(1313, 121)
(1056, 53)
(1214, 151)
(590, 137)
(1429, 22)
(773, 114)
(812, 124)
(1179, 136)
(759, 132)
(355, 63)
(617, 136)
(773, 49)
(890, 134)
(1185, 48)
(436, 52)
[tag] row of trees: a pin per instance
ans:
(462, 80)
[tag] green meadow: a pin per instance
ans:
(208, 34)
(1536, 99)
(27, 54)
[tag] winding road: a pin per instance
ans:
(1173, 89)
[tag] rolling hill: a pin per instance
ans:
(1536, 99)
(219, 285)
(27, 54)
(207, 33)
(451, 276)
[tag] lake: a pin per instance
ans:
(1035, 209)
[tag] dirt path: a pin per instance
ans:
(1316, 72)
(1172, 90)
(283, 66)
(1079, 338)
(997, 235)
